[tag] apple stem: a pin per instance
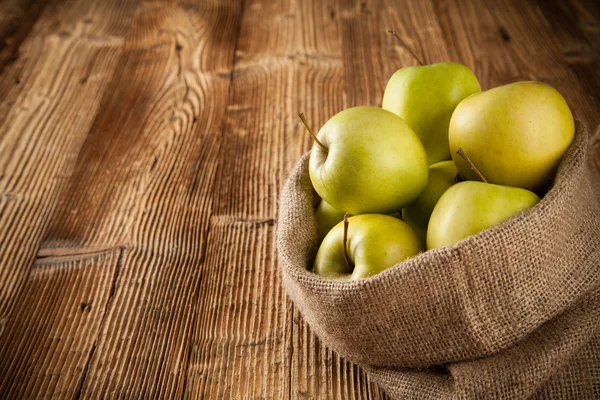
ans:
(394, 34)
(346, 240)
(309, 129)
(461, 153)
(458, 178)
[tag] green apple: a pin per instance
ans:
(441, 177)
(425, 97)
(368, 160)
(374, 243)
(516, 134)
(469, 207)
(327, 217)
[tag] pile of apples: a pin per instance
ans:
(440, 161)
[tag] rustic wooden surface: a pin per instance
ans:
(142, 147)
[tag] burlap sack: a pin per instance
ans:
(513, 312)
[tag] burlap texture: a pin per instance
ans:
(513, 312)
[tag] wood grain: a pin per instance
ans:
(66, 61)
(162, 126)
(142, 148)
(56, 319)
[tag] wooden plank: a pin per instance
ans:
(239, 346)
(143, 181)
(46, 346)
(241, 340)
(48, 99)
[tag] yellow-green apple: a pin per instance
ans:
(327, 217)
(368, 160)
(425, 97)
(516, 134)
(374, 243)
(469, 207)
(441, 176)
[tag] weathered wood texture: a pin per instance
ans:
(142, 147)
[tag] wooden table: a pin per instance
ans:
(142, 148)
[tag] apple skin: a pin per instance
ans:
(374, 164)
(375, 243)
(327, 217)
(469, 207)
(425, 97)
(441, 177)
(515, 134)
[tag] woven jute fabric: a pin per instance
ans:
(512, 312)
